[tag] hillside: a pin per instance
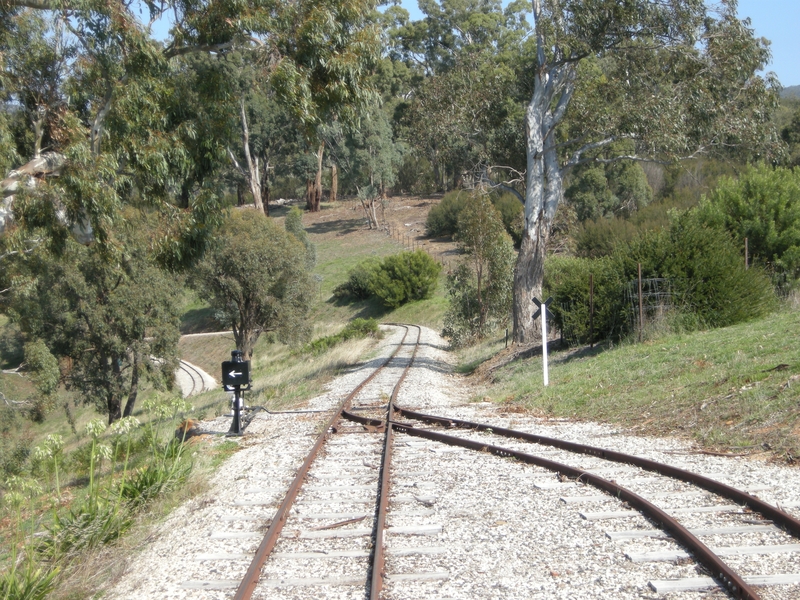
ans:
(793, 91)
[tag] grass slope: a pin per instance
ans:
(736, 388)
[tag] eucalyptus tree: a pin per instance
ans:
(122, 139)
(375, 157)
(111, 326)
(673, 79)
(463, 103)
(255, 276)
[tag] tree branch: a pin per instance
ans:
(171, 51)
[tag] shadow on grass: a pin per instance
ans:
(11, 347)
(199, 320)
(340, 226)
(370, 308)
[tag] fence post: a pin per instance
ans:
(641, 310)
(746, 255)
(591, 310)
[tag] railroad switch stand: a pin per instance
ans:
(236, 379)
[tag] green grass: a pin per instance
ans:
(734, 388)
(336, 257)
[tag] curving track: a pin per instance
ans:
(354, 525)
(198, 384)
(777, 521)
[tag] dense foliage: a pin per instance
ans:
(480, 287)
(405, 277)
(255, 277)
(695, 278)
(762, 206)
(114, 326)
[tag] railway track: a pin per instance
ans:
(198, 383)
(703, 495)
(379, 482)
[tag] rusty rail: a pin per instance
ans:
(776, 515)
(251, 577)
(729, 579)
(377, 562)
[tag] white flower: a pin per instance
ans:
(95, 427)
(124, 426)
(54, 443)
(103, 452)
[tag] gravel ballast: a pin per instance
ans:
(462, 524)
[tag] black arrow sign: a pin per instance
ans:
(546, 305)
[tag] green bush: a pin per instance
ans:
(359, 281)
(708, 275)
(567, 281)
(762, 205)
(597, 238)
(357, 328)
(405, 277)
(708, 282)
(512, 213)
(480, 289)
(443, 218)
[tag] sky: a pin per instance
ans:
(776, 20)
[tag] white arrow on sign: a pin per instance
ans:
(234, 374)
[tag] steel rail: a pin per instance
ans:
(251, 577)
(776, 515)
(185, 368)
(730, 580)
(377, 572)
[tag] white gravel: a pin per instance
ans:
(484, 527)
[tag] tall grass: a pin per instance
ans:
(115, 475)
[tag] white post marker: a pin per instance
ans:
(544, 345)
(542, 310)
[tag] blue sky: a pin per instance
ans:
(779, 22)
(776, 20)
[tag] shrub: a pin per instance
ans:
(706, 269)
(480, 289)
(597, 238)
(763, 205)
(567, 281)
(709, 284)
(512, 214)
(357, 328)
(443, 218)
(359, 281)
(405, 277)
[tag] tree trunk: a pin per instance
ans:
(543, 190)
(310, 195)
(334, 183)
(239, 195)
(253, 175)
(132, 393)
(528, 276)
(318, 180)
(113, 401)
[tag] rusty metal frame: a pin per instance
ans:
(251, 577)
(729, 579)
(776, 515)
